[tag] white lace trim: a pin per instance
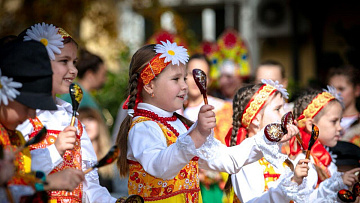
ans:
(93, 175)
(270, 150)
(334, 183)
(295, 192)
(206, 151)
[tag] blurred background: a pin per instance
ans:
(307, 37)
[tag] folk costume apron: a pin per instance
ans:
(184, 187)
(71, 159)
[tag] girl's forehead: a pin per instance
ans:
(275, 99)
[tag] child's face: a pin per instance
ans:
(64, 69)
(343, 86)
(91, 127)
(170, 88)
(194, 91)
(329, 125)
(14, 114)
(273, 111)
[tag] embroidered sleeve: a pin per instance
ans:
(293, 191)
(207, 151)
(329, 187)
(270, 150)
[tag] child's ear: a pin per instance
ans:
(256, 121)
(149, 88)
(308, 124)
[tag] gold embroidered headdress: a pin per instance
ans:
(318, 103)
(259, 99)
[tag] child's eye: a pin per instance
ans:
(185, 78)
(176, 79)
(64, 61)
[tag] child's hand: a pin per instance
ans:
(206, 121)
(292, 131)
(67, 179)
(66, 140)
(301, 171)
(349, 177)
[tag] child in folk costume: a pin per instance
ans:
(65, 146)
(22, 91)
(324, 109)
(160, 149)
(254, 107)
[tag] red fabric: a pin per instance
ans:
(241, 135)
(318, 151)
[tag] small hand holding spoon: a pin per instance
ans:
(110, 157)
(314, 137)
(76, 95)
(36, 139)
(200, 80)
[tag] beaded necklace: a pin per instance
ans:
(163, 120)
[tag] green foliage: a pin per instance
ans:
(114, 91)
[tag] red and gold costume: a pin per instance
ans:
(183, 187)
(72, 159)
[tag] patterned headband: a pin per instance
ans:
(165, 53)
(49, 35)
(318, 103)
(259, 99)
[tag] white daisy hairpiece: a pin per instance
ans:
(47, 35)
(332, 90)
(7, 89)
(279, 87)
(172, 52)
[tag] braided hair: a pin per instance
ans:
(138, 62)
(241, 99)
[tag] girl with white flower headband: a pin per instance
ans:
(161, 150)
(22, 91)
(65, 146)
(254, 107)
(324, 109)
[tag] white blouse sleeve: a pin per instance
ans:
(232, 159)
(93, 191)
(328, 188)
(249, 186)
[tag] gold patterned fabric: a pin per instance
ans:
(315, 106)
(184, 187)
(153, 69)
(71, 159)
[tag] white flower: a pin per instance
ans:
(7, 89)
(279, 87)
(172, 52)
(47, 35)
(332, 90)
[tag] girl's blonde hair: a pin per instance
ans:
(138, 62)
